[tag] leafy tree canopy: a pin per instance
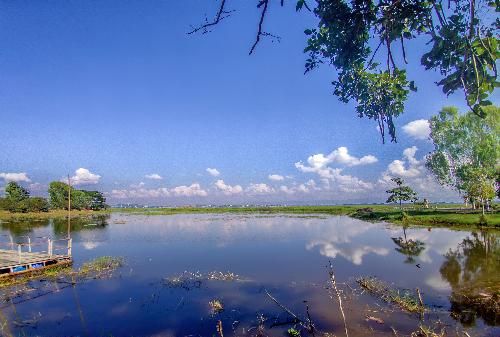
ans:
(462, 45)
(401, 192)
(80, 199)
(15, 192)
(466, 151)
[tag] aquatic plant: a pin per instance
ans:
(405, 299)
(216, 306)
(189, 280)
(293, 332)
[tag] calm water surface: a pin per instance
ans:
(286, 255)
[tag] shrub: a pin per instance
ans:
(483, 221)
(38, 204)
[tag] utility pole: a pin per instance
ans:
(69, 207)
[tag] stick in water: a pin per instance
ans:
(332, 277)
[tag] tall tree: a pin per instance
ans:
(462, 38)
(16, 193)
(401, 193)
(59, 194)
(466, 152)
(80, 199)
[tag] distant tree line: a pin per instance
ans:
(17, 199)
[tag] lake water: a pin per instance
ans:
(285, 255)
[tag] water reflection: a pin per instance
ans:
(473, 272)
(285, 254)
(411, 248)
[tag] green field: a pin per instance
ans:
(447, 215)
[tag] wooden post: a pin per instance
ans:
(70, 246)
(11, 242)
(29, 244)
(49, 250)
(69, 207)
(19, 252)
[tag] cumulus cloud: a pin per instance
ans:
(410, 167)
(153, 176)
(193, 190)
(139, 185)
(319, 163)
(16, 177)
(36, 187)
(213, 172)
(189, 191)
(139, 193)
(418, 129)
(83, 177)
(228, 189)
(306, 187)
(334, 177)
(260, 188)
(276, 177)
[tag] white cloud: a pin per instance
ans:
(139, 193)
(83, 177)
(418, 129)
(260, 188)
(35, 187)
(213, 172)
(276, 177)
(342, 156)
(17, 177)
(228, 189)
(318, 163)
(189, 191)
(162, 192)
(334, 177)
(139, 185)
(306, 187)
(409, 168)
(153, 176)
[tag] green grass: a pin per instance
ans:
(333, 210)
(404, 299)
(439, 215)
(435, 217)
(97, 268)
(52, 214)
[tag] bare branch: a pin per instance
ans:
(403, 49)
(222, 13)
(261, 21)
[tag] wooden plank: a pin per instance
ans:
(11, 258)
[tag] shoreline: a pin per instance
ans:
(436, 216)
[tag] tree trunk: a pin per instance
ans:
(483, 206)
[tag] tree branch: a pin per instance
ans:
(261, 21)
(221, 15)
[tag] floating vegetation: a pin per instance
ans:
(101, 266)
(191, 280)
(293, 332)
(216, 306)
(21, 286)
(466, 305)
(425, 331)
(405, 299)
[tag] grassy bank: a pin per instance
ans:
(52, 214)
(332, 210)
(440, 215)
(435, 217)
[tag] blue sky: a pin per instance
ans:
(119, 90)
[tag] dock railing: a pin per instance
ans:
(38, 245)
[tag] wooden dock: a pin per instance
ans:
(16, 261)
